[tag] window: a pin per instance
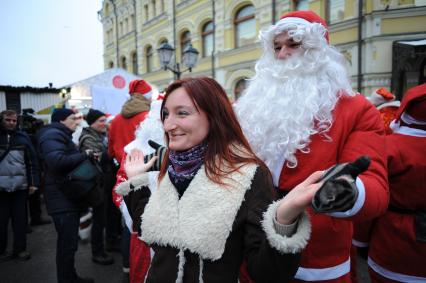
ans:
(111, 64)
(135, 63)
(146, 12)
(121, 29)
(336, 10)
(126, 25)
(245, 26)
(106, 11)
(149, 57)
(162, 6)
(132, 22)
(123, 63)
(302, 5)
(185, 40)
(154, 8)
(240, 86)
(207, 37)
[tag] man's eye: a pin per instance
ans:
(295, 45)
(277, 48)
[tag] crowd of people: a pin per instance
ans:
(282, 185)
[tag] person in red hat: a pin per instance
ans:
(149, 129)
(122, 132)
(386, 104)
(134, 111)
(398, 238)
(300, 115)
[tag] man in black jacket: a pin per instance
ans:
(60, 156)
(19, 175)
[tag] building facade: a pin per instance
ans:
(382, 40)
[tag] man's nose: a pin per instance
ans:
(283, 53)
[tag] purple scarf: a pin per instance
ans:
(185, 164)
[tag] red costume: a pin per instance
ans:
(396, 255)
(122, 132)
(357, 130)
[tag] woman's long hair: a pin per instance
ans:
(227, 144)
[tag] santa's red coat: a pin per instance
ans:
(357, 130)
(393, 244)
(121, 132)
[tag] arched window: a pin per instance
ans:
(240, 86)
(245, 26)
(135, 63)
(185, 40)
(111, 64)
(207, 36)
(124, 63)
(163, 40)
(149, 58)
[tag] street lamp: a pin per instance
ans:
(189, 58)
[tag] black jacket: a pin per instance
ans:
(60, 156)
(211, 229)
(19, 168)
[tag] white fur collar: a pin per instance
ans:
(202, 219)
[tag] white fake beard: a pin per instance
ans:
(288, 101)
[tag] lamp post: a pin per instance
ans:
(189, 58)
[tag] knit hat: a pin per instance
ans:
(93, 115)
(414, 104)
(140, 86)
(60, 114)
(304, 18)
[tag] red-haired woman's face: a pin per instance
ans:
(184, 125)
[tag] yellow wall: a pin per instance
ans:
(404, 25)
(343, 36)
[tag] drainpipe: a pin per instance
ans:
(174, 29)
(214, 39)
(136, 37)
(360, 17)
(116, 34)
(273, 12)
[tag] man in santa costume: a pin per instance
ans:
(150, 128)
(386, 104)
(123, 126)
(398, 238)
(122, 131)
(300, 115)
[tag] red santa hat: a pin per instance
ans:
(304, 18)
(414, 104)
(140, 86)
(380, 96)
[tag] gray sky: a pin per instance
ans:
(42, 41)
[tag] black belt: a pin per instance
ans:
(399, 210)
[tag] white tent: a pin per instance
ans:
(106, 91)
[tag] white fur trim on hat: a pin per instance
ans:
(293, 20)
(283, 244)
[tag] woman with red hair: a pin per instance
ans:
(214, 205)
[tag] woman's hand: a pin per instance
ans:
(295, 202)
(135, 164)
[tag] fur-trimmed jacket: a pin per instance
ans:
(206, 234)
